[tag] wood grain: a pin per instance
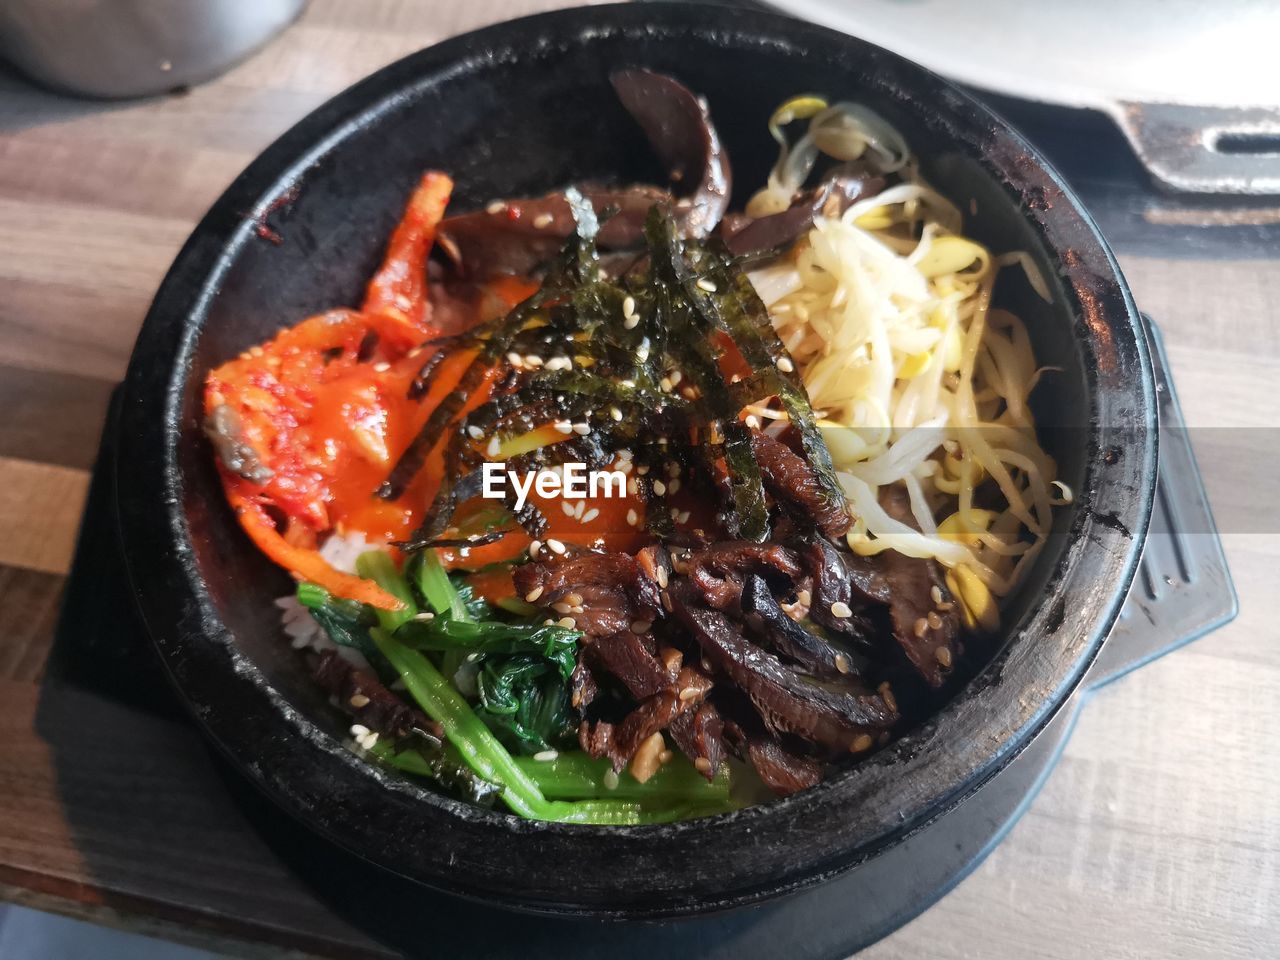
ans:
(1157, 836)
(40, 508)
(52, 417)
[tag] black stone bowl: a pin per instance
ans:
(521, 108)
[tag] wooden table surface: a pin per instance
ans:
(1158, 835)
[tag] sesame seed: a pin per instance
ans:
(684, 516)
(573, 599)
(934, 621)
(610, 780)
(842, 663)
(533, 595)
(543, 756)
(533, 360)
(579, 509)
(861, 742)
(676, 377)
(475, 432)
(564, 426)
(534, 548)
(687, 694)
(705, 284)
(548, 622)
(495, 446)
(665, 385)
(642, 469)
(626, 466)
(515, 359)
(753, 422)
(582, 429)
(543, 220)
(629, 384)
(616, 414)
(358, 700)
(561, 607)
(785, 365)
(359, 730)
(703, 764)
(630, 322)
(628, 307)
(642, 351)
(674, 485)
(840, 610)
(497, 206)
(804, 597)
(886, 694)
(936, 593)
(662, 577)
(567, 622)
(641, 626)
(632, 518)
(943, 655)
(381, 367)
(424, 616)
(567, 507)
(556, 546)
(659, 487)
(590, 515)
(920, 627)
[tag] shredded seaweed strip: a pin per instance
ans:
(679, 302)
(737, 309)
(670, 266)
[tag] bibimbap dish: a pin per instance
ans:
(615, 505)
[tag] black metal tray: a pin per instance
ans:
(1183, 591)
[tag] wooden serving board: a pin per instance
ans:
(1158, 835)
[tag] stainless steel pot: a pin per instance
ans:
(132, 48)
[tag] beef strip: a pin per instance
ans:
(582, 684)
(841, 577)
(679, 127)
(782, 772)
(911, 582)
(518, 236)
(374, 705)
(626, 656)
(613, 591)
(746, 237)
(789, 638)
(839, 719)
(657, 713)
(720, 569)
(596, 740)
(792, 482)
(700, 736)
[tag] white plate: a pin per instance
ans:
(1177, 75)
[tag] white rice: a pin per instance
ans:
(302, 629)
